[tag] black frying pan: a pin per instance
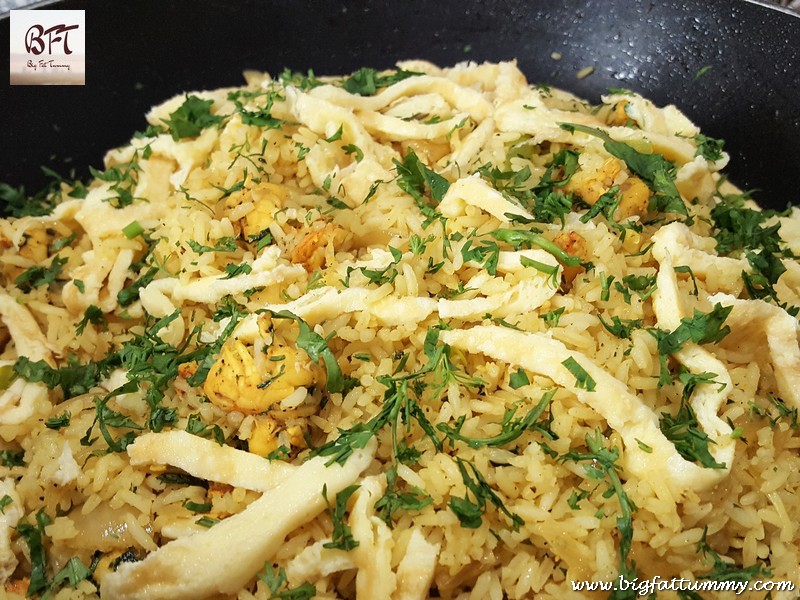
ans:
(747, 56)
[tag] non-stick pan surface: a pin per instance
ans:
(733, 66)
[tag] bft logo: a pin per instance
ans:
(48, 47)
(58, 34)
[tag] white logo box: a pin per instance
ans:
(48, 47)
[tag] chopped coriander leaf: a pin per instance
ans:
(130, 294)
(106, 417)
(691, 442)
(271, 379)
(606, 205)
(317, 280)
(336, 203)
(206, 355)
(233, 270)
(553, 206)
(687, 269)
(262, 239)
(33, 536)
(224, 244)
(487, 255)
(739, 227)
(783, 412)
(378, 276)
(337, 135)
(560, 170)
(73, 573)
(414, 178)
(643, 285)
(236, 187)
(282, 452)
(574, 499)
(518, 379)
(5, 501)
(182, 479)
(691, 380)
(38, 276)
(262, 117)
(373, 189)
(18, 204)
(301, 150)
(500, 321)
(79, 190)
(123, 178)
(512, 184)
(417, 245)
(73, 378)
(150, 131)
(11, 458)
(366, 81)
(275, 580)
(701, 328)
(351, 439)
(601, 463)
(94, 315)
(766, 270)
(520, 238)
(433, 267)
(643, 251)
(393, 500)
(296, 79)
(190, 118)
(605, 286)
(470, 512)
(152, 363)
(399, 401)
(653, 169)
(441, 365)
(621, 328)
(195, 426)
(582, 379)
(161, 417)
(61, 243)
(727, 570)
(708, 147)
(408, 455)
(353, 149)
(316, 347)
(58, 422)
(511, 427)
(550, 270)
(553, 317)
(342, 537)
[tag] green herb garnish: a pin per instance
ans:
(190, 118)
(367, 82)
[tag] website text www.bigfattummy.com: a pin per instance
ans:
(645, 587)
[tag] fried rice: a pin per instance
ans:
(427, 332)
